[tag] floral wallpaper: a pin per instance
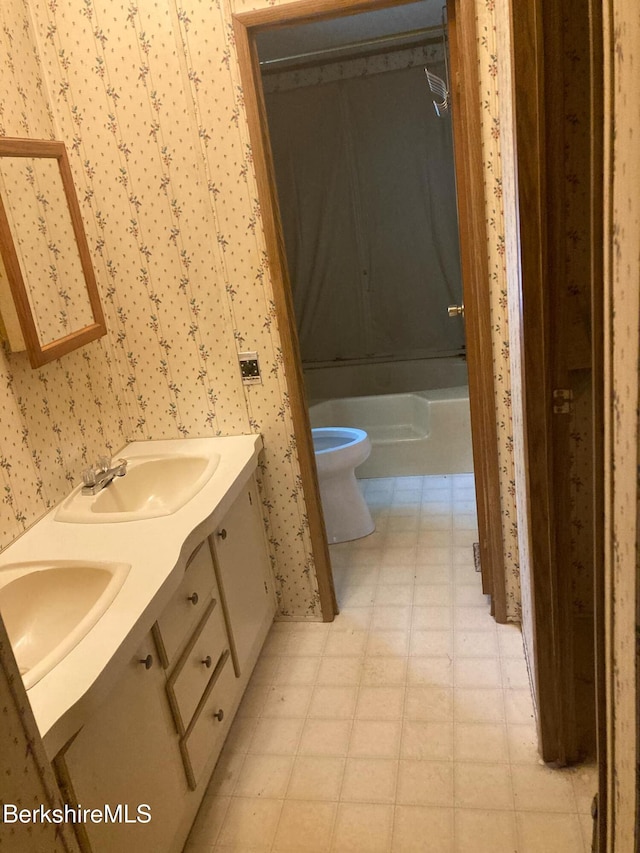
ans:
(622, 310)
(492, 26)
(57, 419)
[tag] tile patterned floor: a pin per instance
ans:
(404, 725)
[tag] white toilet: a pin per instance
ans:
(339, 450)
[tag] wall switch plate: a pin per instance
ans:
(249, 368)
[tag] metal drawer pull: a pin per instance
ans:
(222, 533)
(148, 661)
(193, 598)
(207, 661)
(219, 716)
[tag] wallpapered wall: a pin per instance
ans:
(148, 98)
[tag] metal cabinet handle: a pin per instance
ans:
(147, 662)
(207, 661)
(193, 598)
(456, 310)
(219, 716)
(222, 533)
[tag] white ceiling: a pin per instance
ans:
(305, 38)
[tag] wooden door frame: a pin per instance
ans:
(473, 240)
(536, 56)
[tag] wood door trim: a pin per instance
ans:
(474, 260)
(473, 240)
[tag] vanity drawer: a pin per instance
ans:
(208, 729)
(197, 666)
(187, 606)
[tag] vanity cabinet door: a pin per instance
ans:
(128, 754)
(244, 577)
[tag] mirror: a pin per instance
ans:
(47, 266)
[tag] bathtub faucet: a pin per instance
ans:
(101, 474)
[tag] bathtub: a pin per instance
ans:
(425, 432)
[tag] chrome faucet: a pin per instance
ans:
(101, 474)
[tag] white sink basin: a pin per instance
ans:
(49, 607)
(153, 486)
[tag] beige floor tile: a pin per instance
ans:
(431, 643)
(431, 520)
(363, 557)
(422, 829)
(325, 737)
(473, 619)
(384, 670)
(485, 831)
(333, 702)
(275, 644)
(481, 742)
(585, 784)
(361, 575)
(465, 521)
(305, 826)
(357, 596)
(208, 823)
(265, 670)
(543, 833)
(363, 828)
(425, 783)
(250, 823)
(264, 776)
(432, 595)
(478, 705)
(346, 643)
(432, 575)
(482, 786)
(518, 706)
(388, 643)
(430, 741)
(401, 538)
(375, 739)
(302, 643)
(287, 701)
(240, 734)
(586, 825)
(380, 703)
(429, 703)
(523, 743)
(397, 574)
(477, 672)
(316, 778)
(276, 736)
(402, 524)
(538, 788)
(398, 556)
(510, 641)
(436, 538)
(339, 671)
(225, 776)
(430, 671)
(432, 618)
(464, 538)
(349, 620)
(369, 780)
(468, 595)
(253, 700)
(432, 504)
(394, 594)
(466, 574)
(475, 644)
(299, 670)
(514, 673)
(391, 618)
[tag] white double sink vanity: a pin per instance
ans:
(136, 616)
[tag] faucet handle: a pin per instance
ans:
(120, 467)
(89, 477)
(103, 463)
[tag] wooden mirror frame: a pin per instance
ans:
(42, 353)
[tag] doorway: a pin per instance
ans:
(468, 163)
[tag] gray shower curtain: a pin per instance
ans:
(366, 187)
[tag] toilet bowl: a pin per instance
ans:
(339, 450)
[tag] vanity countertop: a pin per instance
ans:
(156, 549)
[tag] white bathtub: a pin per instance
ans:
(428, 432)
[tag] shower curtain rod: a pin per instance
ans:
(380, 40)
